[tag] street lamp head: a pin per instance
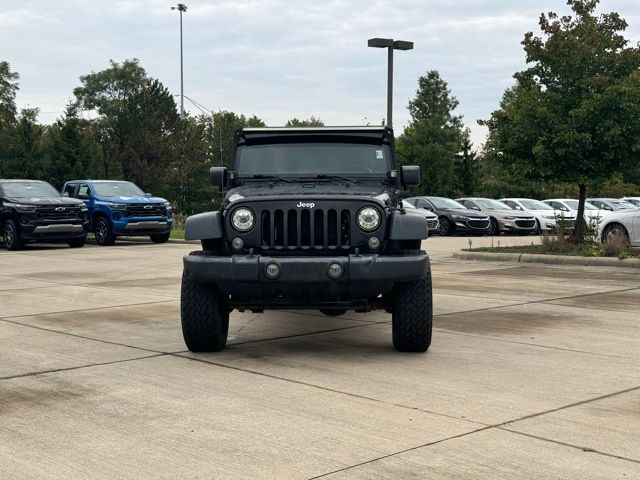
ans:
(380, 42)
(402, 45)
(181, 6)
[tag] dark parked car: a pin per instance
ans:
(310, 219)
(454, 217)
(34, 211)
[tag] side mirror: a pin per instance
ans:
(82, 196)
(65, 194)
(148, 195)
(475, 207)
(410, 175)
(218, 177)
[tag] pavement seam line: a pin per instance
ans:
(88, 309)
(66, 369)
(326, 389)
(571, 445)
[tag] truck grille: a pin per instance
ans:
(58, 213)
(305, 228)
(526, 223)
(146, 211)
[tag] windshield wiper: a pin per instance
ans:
(335, 177)
(271, 177)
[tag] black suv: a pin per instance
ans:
(311, 219)
(34, 211)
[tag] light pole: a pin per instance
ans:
(181, 7)
(391, 45)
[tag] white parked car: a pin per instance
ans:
(433, 223)
(592, 215)
(611, 204)
(625, 223)
(544, 214)
(634, 200)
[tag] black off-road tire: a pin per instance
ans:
(160, 238)
(77, 242)
(333, 312)
(412, 316)
(11, 235)
(205, 316)
(104, 233)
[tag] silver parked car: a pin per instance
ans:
(432, 219)
(503, 218)
(545, 215)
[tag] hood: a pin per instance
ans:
(46, 201)
(509, 213)
(259, 190)
(467, 212)
(138, 200)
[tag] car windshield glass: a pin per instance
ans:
(535, 205)
(634, 201)
(311, 159)
(489, 204)
(117, 189)
(29, 189)
(621, 205)
(573, 205)
(406, 204)
(440, 202)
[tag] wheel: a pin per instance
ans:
(611, 233)
(11, 235)
(160, 238)
(77, 242)
(205, 316)
(538, 229)
(104, 232)
(412, 317)
(445, 227)
(494, 228)
(333, 312)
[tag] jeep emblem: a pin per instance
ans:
(305, 205)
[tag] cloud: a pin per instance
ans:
(279, 59)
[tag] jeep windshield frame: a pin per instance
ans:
(314, 154)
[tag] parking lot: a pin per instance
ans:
(534, 371)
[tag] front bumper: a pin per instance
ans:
(517, 225)
(480, 227)
(43, 231)
(304, 282)
(142, 226)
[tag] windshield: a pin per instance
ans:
(535, 205)
(634, 201)
(440, 202)
(621, 205)
(492, 204)
(117, 189)
(29, 189)
(406, 204)
(311, 159)
(573, 205)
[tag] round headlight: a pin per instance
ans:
(243, 219)
(368, 219)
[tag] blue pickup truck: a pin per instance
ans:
(120, 209)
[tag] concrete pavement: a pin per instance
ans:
(533, 373)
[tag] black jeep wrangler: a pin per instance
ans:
(34, 211)
(312, 219)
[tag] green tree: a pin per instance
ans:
(467, 166)
(434, 136)
(8, 89)
(574, 114)
(310, 122)
(72, 150)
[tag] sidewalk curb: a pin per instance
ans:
(549, 259)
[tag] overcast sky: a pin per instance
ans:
(281, 58)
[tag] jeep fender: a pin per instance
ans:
(408, 227)
(203, 226)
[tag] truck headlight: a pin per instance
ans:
(368, 219)
(25, 208)
(243, 219)
(116, 206)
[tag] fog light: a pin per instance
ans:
(272, 270)
(374, 243)
(237, 243)
(335, 270)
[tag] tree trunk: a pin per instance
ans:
(579, 229)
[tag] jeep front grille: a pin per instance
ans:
(305, 228)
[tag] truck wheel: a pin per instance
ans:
(205, 316)
(412, 317)
(11, 235)
(160, 238)
(104, 232)
(333, 312)
(77, 242)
